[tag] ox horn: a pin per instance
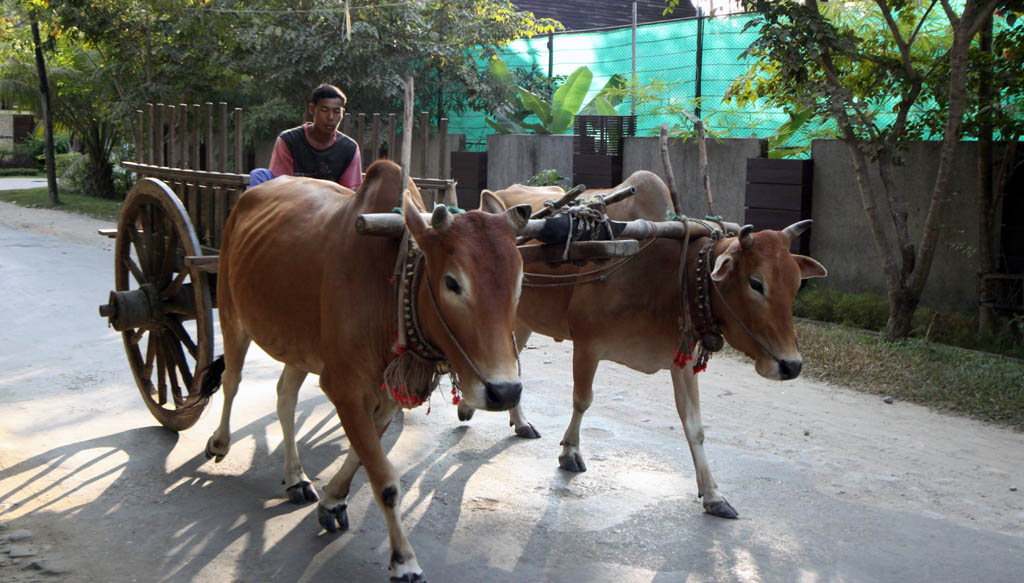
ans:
(441, 219)
(746, 239)
(797, 229)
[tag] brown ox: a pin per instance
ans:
(634, 317)
(296, 278)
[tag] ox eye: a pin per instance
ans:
(452, 284)
(757, 285)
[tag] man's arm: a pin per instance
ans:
(281, 162)
(352, 177)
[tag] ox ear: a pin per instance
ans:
(518, 216)
(490, 203)
(725, 262)
(413, 221)
(809, 267)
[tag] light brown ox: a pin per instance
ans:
(633, 318)
(296, 278)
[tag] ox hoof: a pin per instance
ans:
(301, 493)
(721, 508)
(528, 431)
(333, 519)
(465, 413)
(211, 454)
(572, 463)
(410, 578)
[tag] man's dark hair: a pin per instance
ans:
(327, 91)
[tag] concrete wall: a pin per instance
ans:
(515, 158)
(841, 238)
(727, 164)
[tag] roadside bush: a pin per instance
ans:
(17, 157)
(870, 311)
(19, 172)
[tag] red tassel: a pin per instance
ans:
(700, 368)
(681, 359)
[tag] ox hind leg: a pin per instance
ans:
(584, 366)
(236, 344)
(298, 487)
(364, 423)
(516, 417)
(684, 383)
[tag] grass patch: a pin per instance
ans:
(981, 385)
(99, 208)
(985, 386)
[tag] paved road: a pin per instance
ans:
(831, 485)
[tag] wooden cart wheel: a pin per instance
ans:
(163, 307)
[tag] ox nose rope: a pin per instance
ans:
(415, 372)
(455, 341)
(707, 331)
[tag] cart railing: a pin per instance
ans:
(189, 150)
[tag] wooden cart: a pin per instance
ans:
(165, 252)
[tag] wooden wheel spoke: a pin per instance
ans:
(178, 359)
(174, 287)
(147, 369)
(173, 351)
(170, 256)
(136, 335)
(161, 370)
(137, 272)
(149, 263)
(182, 335)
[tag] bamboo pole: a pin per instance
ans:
(670, 177)
(407, 133)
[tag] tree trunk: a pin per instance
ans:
(44, 99)
(985, 255)
(902, 303)
(99, 172)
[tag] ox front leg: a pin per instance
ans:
(363, 427)
(584, 366)
(298, 487)
(688, 405)
(516, 417)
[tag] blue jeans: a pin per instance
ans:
(259, 176)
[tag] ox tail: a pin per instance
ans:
(212, 377)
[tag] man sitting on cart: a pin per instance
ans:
(316, 149)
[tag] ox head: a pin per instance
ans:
(758, 278)
(474, 272)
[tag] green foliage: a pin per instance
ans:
(870, 311)
(64, 161)
(548, 177)
(556, 116)
(18, 171)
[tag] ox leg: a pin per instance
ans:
(688, 405)
(236, 344)
(333, 509)
(516, 417)
(298, 487)
(364, 428)
(584, 366)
